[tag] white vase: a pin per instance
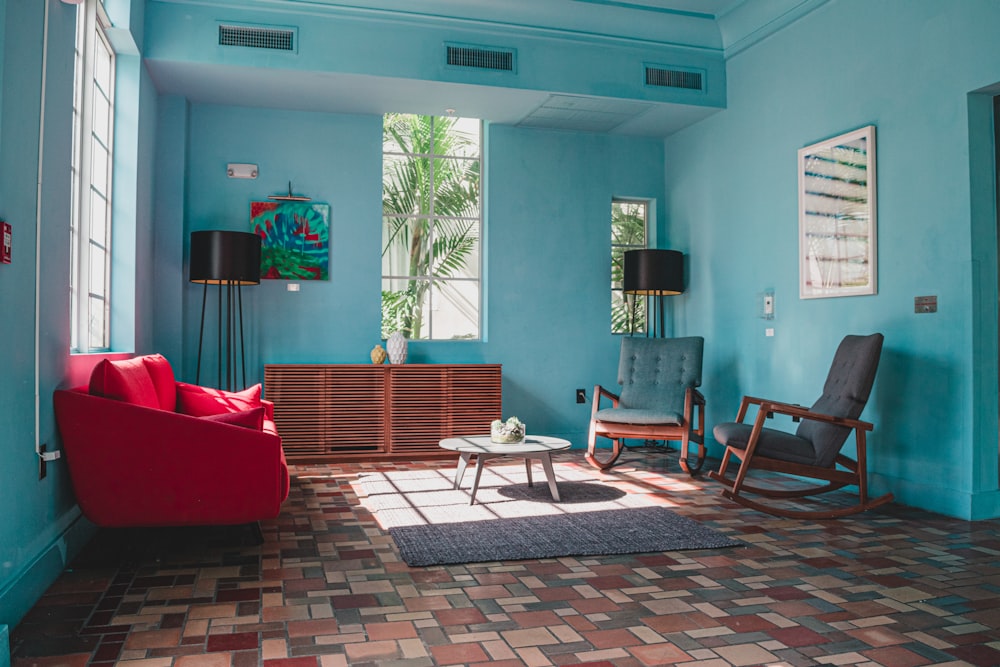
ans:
(395, 346)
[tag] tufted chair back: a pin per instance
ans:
(655, 372)
(845, 394)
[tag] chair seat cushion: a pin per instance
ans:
(773, 444)
(638, 416)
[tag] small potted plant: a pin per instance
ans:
(507, 432)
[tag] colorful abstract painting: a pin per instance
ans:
(295, 239)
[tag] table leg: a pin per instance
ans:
(547, 464)
(527, 468)
(463, 461)
(479, 472)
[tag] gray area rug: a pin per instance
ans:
(624, 531)
(433, 524)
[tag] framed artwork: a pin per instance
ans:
(837, 216)
(295, 239)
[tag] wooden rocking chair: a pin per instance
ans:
(658, 401)
(813, 451)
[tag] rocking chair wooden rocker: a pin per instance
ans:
(658, 401)
(813, 451)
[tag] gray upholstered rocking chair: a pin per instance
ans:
(659, 399)
(813, 451)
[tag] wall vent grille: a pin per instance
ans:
(280, 39)
(480, 57)
(673, 78)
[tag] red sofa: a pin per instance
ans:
(145, 450)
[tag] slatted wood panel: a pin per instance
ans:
(418, 409)
(321, 410)
(335, 412)
(476, 401)
(354, 403)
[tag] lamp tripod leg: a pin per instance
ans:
(219, 357)
(201, 333)
(243, 355)
(659, 307)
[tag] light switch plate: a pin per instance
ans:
(767, 304)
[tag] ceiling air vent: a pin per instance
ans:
(481, 57)
(280, 39)
(673, 78)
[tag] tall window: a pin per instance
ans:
(90, 224)
(431, 225)
(628, 232)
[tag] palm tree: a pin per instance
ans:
(430, 207)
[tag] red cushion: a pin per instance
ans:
(162, 376)
(252, 419)
(125, 380)
(203, 401)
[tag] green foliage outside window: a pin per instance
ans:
(628, 232)
(431, 227)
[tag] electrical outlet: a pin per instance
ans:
(581, 395)
(41, 463)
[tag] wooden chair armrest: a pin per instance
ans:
(694, 404)
(806, 413)
(699, 398)
(600, 392)
(745, 405)
(777, 406)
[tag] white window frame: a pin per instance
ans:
(91, 175)
(433, 217)
(617, 295)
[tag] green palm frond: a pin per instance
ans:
(430, 205)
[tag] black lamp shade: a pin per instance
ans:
(653, 272)
(223, 257)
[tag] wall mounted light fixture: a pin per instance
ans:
(241, 170)
(289, 196)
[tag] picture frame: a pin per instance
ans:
(838, 216)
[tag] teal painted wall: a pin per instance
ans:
(42, 528)
(906, 66)
(38, 513)
(549, 265)
(546, 253)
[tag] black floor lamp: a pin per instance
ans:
(653, 273)
(229, 260)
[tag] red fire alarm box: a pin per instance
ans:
(5, 235)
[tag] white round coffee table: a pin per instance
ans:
(534, 447)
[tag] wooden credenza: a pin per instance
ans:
(351, 412)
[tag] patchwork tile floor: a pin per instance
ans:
(894, 587)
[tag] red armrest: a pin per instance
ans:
(137, 466)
